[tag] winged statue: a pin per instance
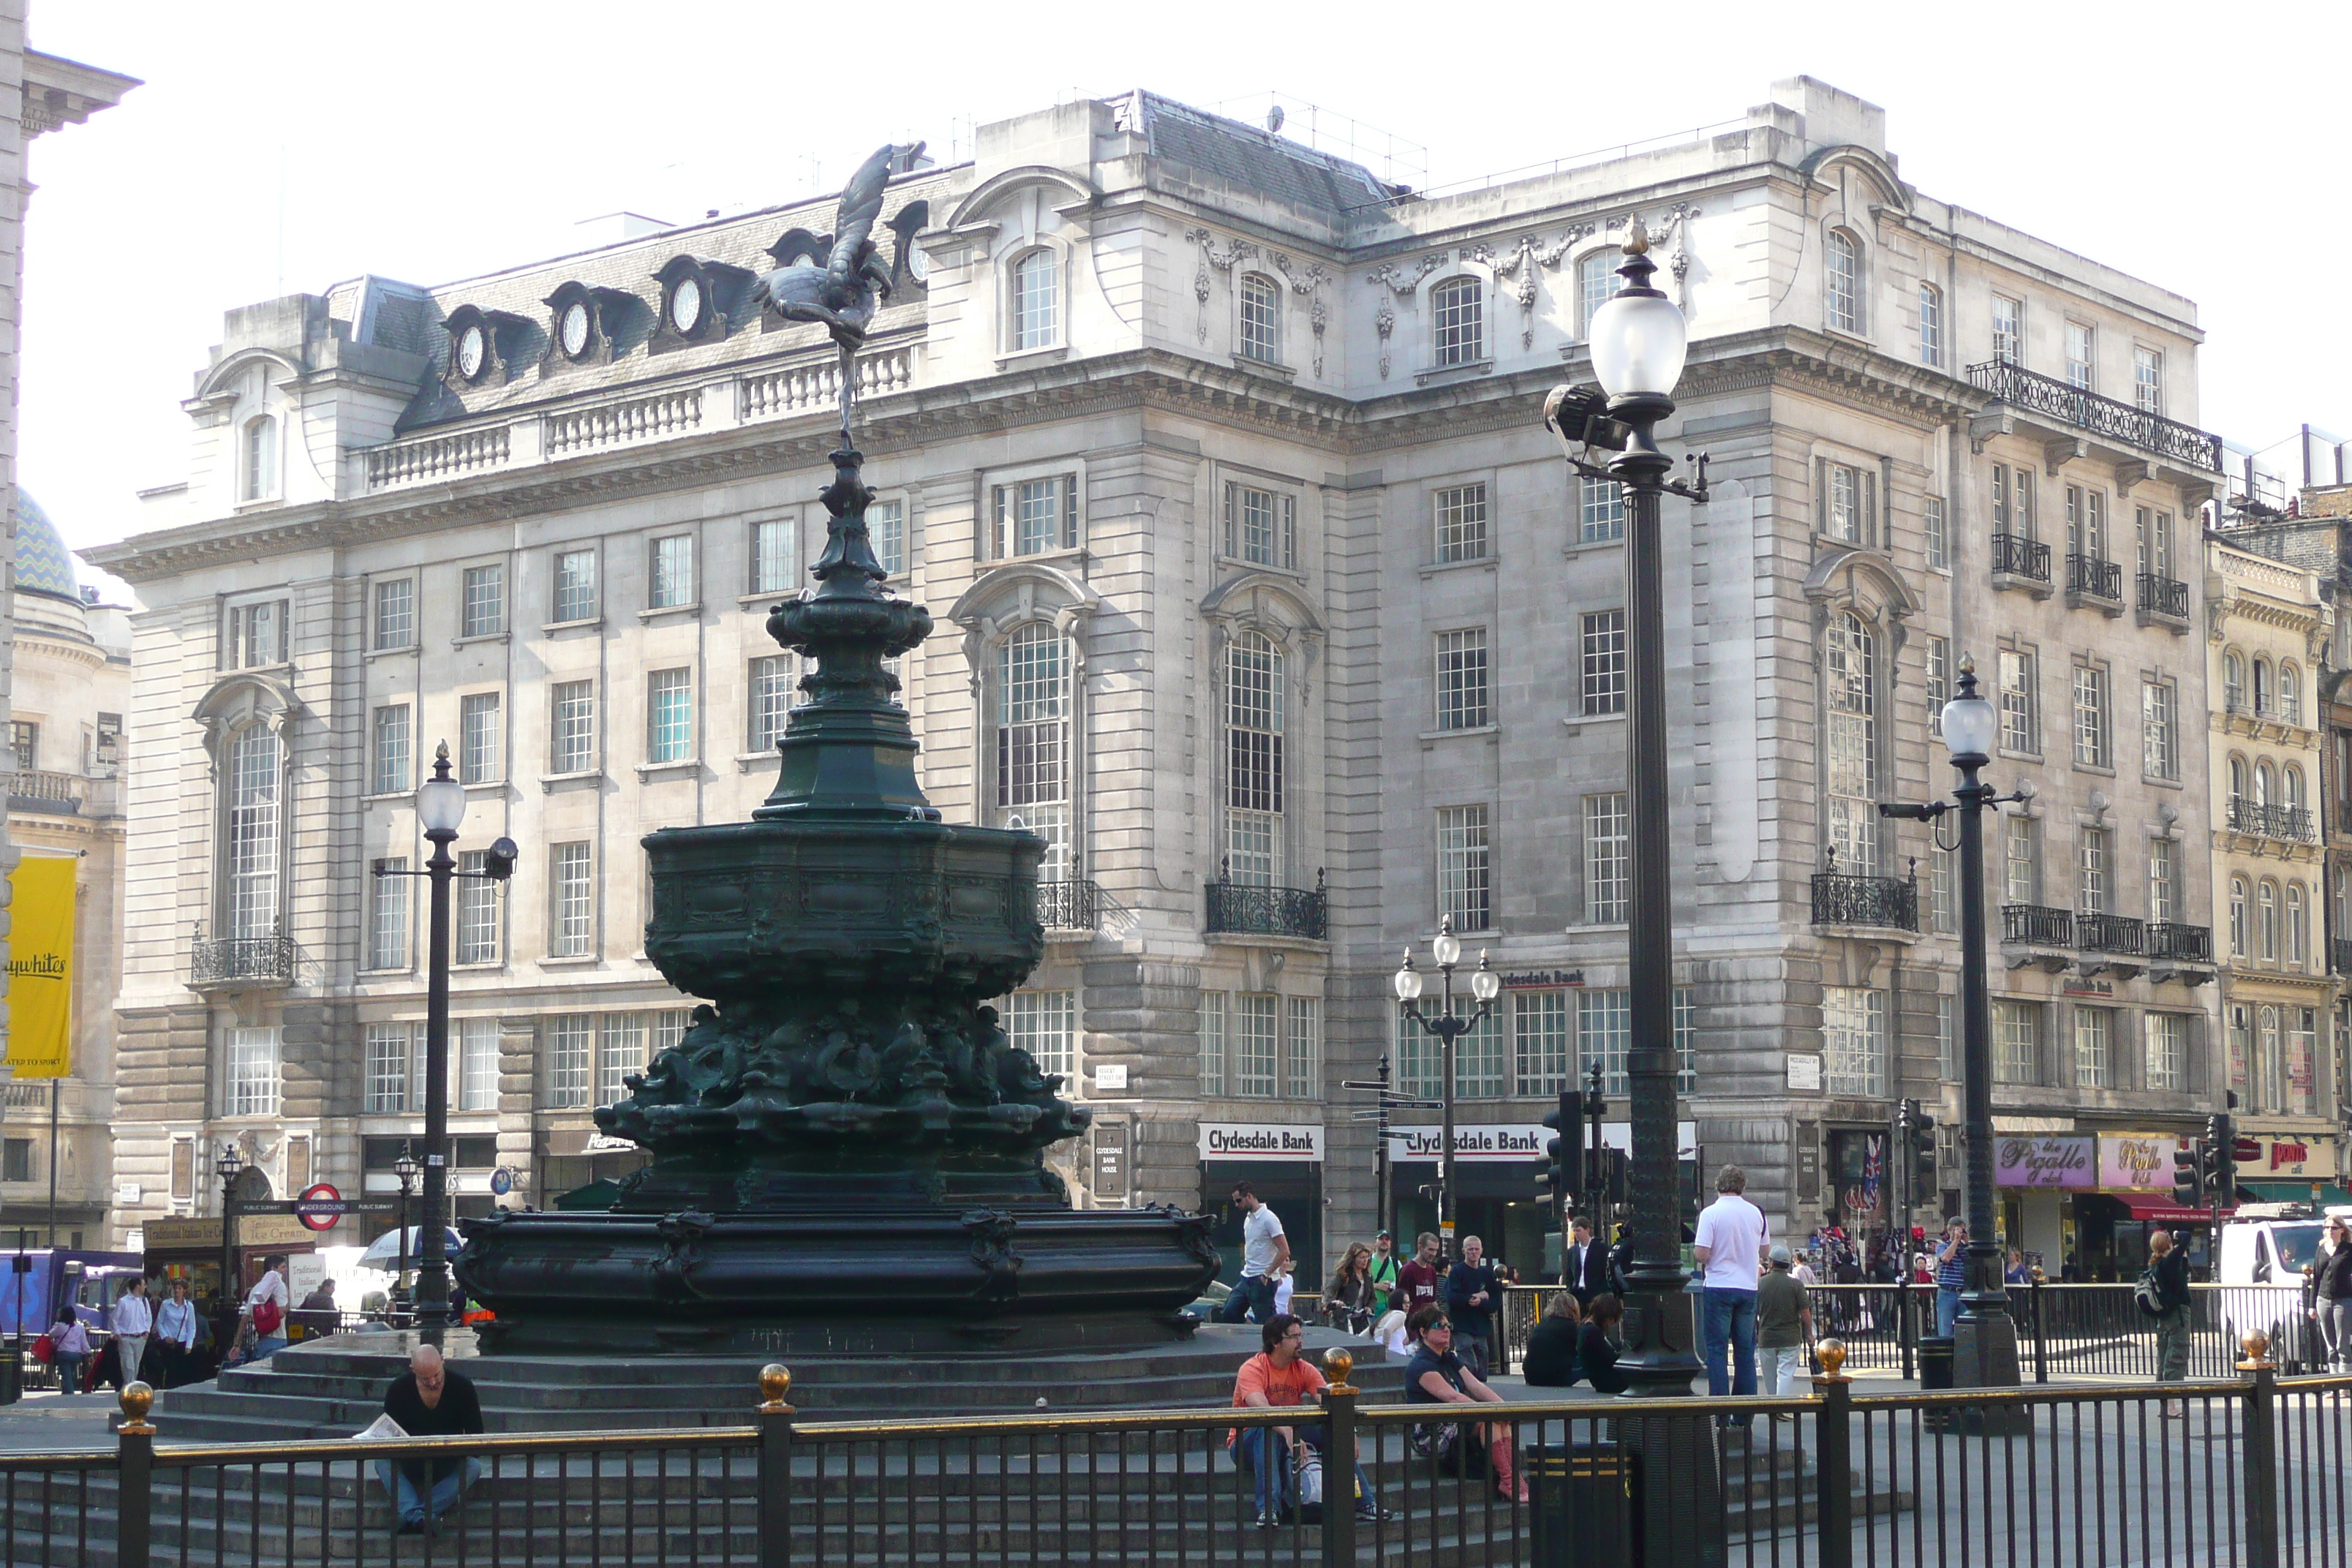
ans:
(846, 292)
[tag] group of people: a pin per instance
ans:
(171, 1342)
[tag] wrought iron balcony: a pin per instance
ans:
(60, 795)
(2088, 577)
(2046, 395)
(1069, 906)
(2291, 823)
(2165, 596)
(241, 961)
(2181, 943)
(2343, 956)
(2037, 925)
(1236, 908)
(2110, 934)
(1889, 904)
(2014, 556)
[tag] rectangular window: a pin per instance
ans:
(1461, 522)
(1045, 1024)
(1254, 1045)
(1842, 511)
(2080, 372)
(2162, 889)
(1604, 663)
(2094, 1036)
(2093, 887)
(621, 1051)
(2018, 859)
(1608, 860)
(485, 606)
(572, 903)
(1600, 510)
(571, 1058)
(1482, 1061)
(389, 774)
(672, 583)
(395, 614)
(2167, 1051)
(1457, 314)
(670, 1028)
(1931, 324)
(107, 750)
(771, 701)
(1302, 1049)
(1685, 1042)
(1943, 888)
(1261, 526)
(2091, 748)
(388, 917)
(16, 1162)
(2021, 728)
(2008, 329)
(886, 526)
(25, 741)
(1543, 1040)
(1418, 1060)
(1037, 515)
(669, 716)
(2016, 1042)
(2147, 381)
(258, 635)
(1948, 1038)
(1939, 682)
(774, 549)
(1213, 1043)
(1853, 1039)
(1931, 524)
(1464, 892)
(479, 747)
(1261, 305)
(1462, 679)
(477, 912)
(572, 727)
(1604, 1031)
(477, 1064)
(575, 585)
(387, 1068)
(252, 1077)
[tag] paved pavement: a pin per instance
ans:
(46, 1422)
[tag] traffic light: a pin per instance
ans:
(2189, 1173)
(1564, 1177)
(2221, 1142)
(1923, 1159)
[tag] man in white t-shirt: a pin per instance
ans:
(1266, 1257)
(1731, 1236)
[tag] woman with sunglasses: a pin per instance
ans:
(2333, 1290)
(1436, 1375)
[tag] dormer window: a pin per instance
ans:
(585, 325)
(572, 329)
(699, 301)
(483, 345)
(259, 439)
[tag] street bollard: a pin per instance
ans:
(1833, 1457)
(1339, 1463)
(775, 1466)
(134, 1466)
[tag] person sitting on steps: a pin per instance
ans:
(430, 1400)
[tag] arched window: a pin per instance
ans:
(2291, 788)
(249, 908)
(1853, 771)
(1254, 761)
(1931, 324)
(2233, 681)
(2298, 927)
(2270, 1082)
(2289, 693)
(2266, 932)
(1261, 319)
(2238, 916)
(1596, 280)
(1033, 739)
(1842, 282)
(2262, 684)
(1457, 313)
(2265, 784)
(2237, 778)
(1036, 301)
(261, 441)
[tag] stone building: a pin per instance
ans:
(1261, 593)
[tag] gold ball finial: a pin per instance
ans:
(775, 1384)
(1637, 238)
(1968, 664)
(2257, 1346)
(1337, 1364)
(137, 1400)
(1833, 1354)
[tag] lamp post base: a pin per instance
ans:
(1661, 1358)
(1984, 1356)
(1683, 1521)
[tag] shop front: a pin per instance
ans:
(1283, 1164)
(2038, 1176)
(2290, 1166)
(189, 1248)
(1495, 1197)
(2134, 1198)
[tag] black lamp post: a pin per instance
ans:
(1448, 1026)
(1984, 1348)
(227, 1166)
(406, 1169)
(1639, 341)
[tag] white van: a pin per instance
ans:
(2269, 1247)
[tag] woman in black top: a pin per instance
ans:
(1436, 1375)
(1348, 1299)
(1597, 1356)
(1551, 1360)
(2332, 1285)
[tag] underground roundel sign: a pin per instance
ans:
(321, 1207)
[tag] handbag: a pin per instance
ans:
(266, 1315)
(44, 1349)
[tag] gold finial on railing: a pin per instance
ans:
(776, 1386)
(137, 1399)
(2257, 1346)
(1833, 1354)
(1337, 1365)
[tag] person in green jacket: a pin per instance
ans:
(1384, 1272)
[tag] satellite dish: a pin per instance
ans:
(1274, 119)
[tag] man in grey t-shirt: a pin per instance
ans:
(1784, 1323)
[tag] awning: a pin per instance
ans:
(2162, 1212)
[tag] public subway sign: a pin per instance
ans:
(1267, 1141)
(1491, 1142)
(2045, 1163)
(2137, 1161)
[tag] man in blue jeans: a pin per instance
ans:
(1265, 1252)
(1952, 1276)
(1730, 1241)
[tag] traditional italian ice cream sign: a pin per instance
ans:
(2137, 1162)
(2045, 1162)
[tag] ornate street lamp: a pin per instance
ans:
(1638, 344)
(227, 1166)
(1448, 1026)
(1984, 1340)
(406, 1169)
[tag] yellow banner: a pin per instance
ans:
(40, 967)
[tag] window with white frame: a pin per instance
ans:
(1938, 543)
(1841, 282)
(2020, 727)
(1851, 775)
(1596, 283)
(2095, 1030)
(1033, 516)
(1045, 1024)
(2266, 920)
(2270, 1061)
(2241, 1047)
(1943, 888)
(672, 576)
(1600, 510)
(2094, 871)
(2163, 884)
(1420, 1065)
(478, 910)
(1608, 858)
(388, 915)
(669, 716)
(1939, 682)
(886, 527)
(2014, 509)
(477, 1064)
(2148, 380)
(1604, 1032)
(1931, 324)
(2091, 728)
(1948, 1038)
(1482, 1061)
(2020, 858)
(256, 634)
(1261, 526)
(775, 556)
(2160, 720)
(571, 1059)
(1302, 1048)
(1544, 1041)
(620, 1051)
(260, 444)
(2298, 927)
(1457, 314)
(2302, 1059)
(572, 900)
(1213, 1043)
(2082, 372)
(1461, 523)
(1462, 688)
(2289, 693)
(389, 773)
(2154, 532)
(1254, 761)
(1685, 1042)
(575, 586)
(1256, 1045)
(2237, 917)
(2016, 1041)
(1603, 645)
(2167, 1051)
(1033, 739)
(1853, 1039)
(388, 1055)
(395, 614)
(249, 1087)
(481, 752)
(2008, 329)
(572, 727)
(2086, 523)
(771, 689)
(670, 1028)
(1261, 301)
(483, 607)
(1849, 499)
(1465, 892)
(1035, 302)
(255, 760)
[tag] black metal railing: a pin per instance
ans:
(1236, 906)
(2291, 823)
(2038, 925)
(1889, 902)
(2095, 579)
(2161, 596)
(34, 789)
(1073, 905)
(2110, 934)
(2014, 556)
(242, 960)
(2182, 943)
(2046, 394)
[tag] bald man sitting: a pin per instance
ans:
(430, 1400)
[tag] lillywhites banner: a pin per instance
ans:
(40, 967)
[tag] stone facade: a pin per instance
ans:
(1259, 589)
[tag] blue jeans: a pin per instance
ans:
(409, 1504)
(1948, 1311)
(1730, 1325)
(1253, 1299)
(69, 1372)
(1274, 1480)
(266, 1345)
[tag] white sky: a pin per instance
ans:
(277, 148)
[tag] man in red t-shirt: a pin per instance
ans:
(1418, 1280)
(1280, 1378)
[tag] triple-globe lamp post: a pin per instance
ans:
(1447, 1026)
